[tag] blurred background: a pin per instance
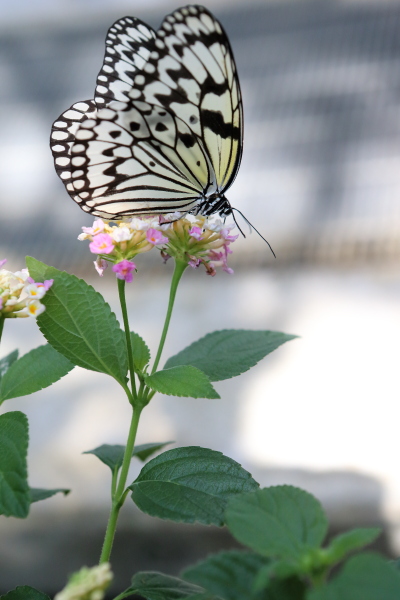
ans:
(320, 179)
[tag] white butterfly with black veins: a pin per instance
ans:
(164, 131)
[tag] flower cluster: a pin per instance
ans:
(20, 295)
(195, 241)
(200, 241)
(119, 244)
(87, 584)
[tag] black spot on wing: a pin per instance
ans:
(161, 127)
(187, 139)
(214, 121)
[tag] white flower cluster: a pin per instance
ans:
(19, 295)
(87, 584)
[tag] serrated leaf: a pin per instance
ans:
(190, 484)
(349, 541)
(157, 586)
(366, 576)
(7, 361)
(280, 522)
(38, 494)
(79, 324)
(231, 575)
(227, 574)
(24, 592)
(141, 352)
(230, 352)
(113, 455)
(34, 371)
(184, 381)
(14, 490)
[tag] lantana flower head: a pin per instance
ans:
(193, 240)
(200, 241)
(115, 243)
(87, 584)
(20, 295)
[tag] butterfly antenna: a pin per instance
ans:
(252, 226)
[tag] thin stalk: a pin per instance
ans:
(119, 494)
(178, 272)
(2, 319)
(121, 291)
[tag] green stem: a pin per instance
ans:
(119, 494)
(2, 319)
(178, 272)
(121, 291)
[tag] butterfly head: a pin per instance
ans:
(213, 204)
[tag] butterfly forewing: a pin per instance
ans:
(128, 46)
(192, 73)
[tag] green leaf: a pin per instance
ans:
(231, 575)
(143, 451)
(112, 456)
(190, 484)
(14, 490)
(280, 522)
(79, 324)
(227, 574)
(276, 570)
(396, 563)
(157, 586)
(141, 352)
(7, 361)
(230, 352)
(366, 576)
(182, 381)
(38, 494)
(347, 542)
(24, 592)
(34, 371)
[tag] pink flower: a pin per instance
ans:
(225, 233)
(98, 227)
(102, 244)
(3, 262)
(219, 259)
(46, 284)
(124, 270)
(100, 265)
(155, 237)
(194, 263)
(196, 232)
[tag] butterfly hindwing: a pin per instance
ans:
(62, 138)
(117, 173)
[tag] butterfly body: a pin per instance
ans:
(164, 131)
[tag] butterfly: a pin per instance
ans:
(164, 132)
